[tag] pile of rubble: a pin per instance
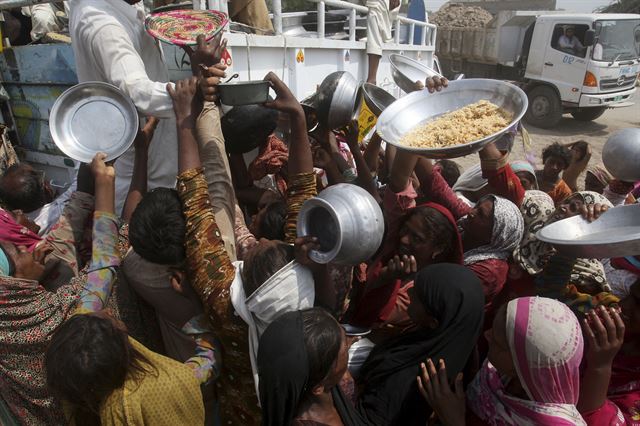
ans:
(457, 15)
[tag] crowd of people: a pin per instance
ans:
(135, 298)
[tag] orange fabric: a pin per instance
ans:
(272, 158)
(560, 192)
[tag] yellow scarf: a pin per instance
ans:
(169, 397)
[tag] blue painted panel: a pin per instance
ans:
(34, 77)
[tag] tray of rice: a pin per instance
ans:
(182, 27)
(457, 121)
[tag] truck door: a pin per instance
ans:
(565, 61)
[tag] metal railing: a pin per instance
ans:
(427, 37)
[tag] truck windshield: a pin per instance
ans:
(617, 40)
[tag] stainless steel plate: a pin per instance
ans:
(614, 234)
(93, 117)
(419, 107)
(406, 72)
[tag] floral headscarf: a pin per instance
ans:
(590, 198)
(508, 227)
(536, 208)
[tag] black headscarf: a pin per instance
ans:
(453, 295)
(283, 367)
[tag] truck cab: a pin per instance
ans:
(581, 64)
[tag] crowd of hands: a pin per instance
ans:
(603, 328)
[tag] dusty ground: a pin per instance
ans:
(569, 130)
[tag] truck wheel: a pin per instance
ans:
(545, 110)
(588, 114)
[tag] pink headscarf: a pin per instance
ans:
(15, 233)
(546, 346)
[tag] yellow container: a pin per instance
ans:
(366, 121)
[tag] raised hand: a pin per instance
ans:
(433, 84)
(400, 267)
(604, 332)
(209, 81)
(184, 99)
(434, 386)
(285, 100)
(145, 135)
(207, 53)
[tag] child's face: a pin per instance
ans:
(552, 168)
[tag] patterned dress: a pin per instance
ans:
(211, 275)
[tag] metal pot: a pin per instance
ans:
(621, 155)
(377, 99)
(244, 92)
(406, 72)
(337, 97)
(310, 111)
(347, 222)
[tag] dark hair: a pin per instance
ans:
(439, 230)
(322, 339)
(247, 126)
(450, 171)
(559, 151)
(157, 227)
(22, 188)
(273, 221)
(262, 262)
(88, 358)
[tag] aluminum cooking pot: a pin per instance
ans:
(336, 101)
(621, 155)
(347, 222)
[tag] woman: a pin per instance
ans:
(612, 371)
(598, 179)
(26, 306)
(486, 234)
(111, 378)
(526, 173)
(447, 309)
(302, 357)
(531, 376)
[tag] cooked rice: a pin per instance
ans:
(458, 127)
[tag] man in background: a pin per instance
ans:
(381, 15)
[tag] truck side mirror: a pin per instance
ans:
(589, 38)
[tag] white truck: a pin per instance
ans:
(597, 72)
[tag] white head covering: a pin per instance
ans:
(471, 180)
(289, 289)
(508, 227)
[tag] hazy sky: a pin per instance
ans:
(569, 5)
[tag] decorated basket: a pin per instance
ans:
(182, 27)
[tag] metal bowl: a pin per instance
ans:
(614, 234)
(347, 222)
(422, 106)
(621, 155)
(406, 72)
(377, 99)
(309, 105)
(93, 117)
(244, 92)
(337, 99)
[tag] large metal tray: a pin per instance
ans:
(419, 107)
(614, 234)
(93, 117)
